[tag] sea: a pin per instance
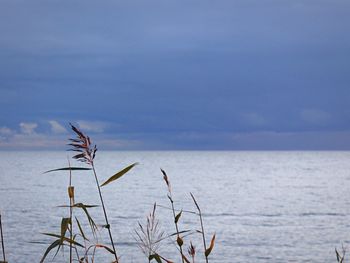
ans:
(262, 206)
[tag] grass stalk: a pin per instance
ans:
(192, 251)
(176, 227)
(71, 203)
(2, 240)
(105, 213)
(86, 153)
(202, 226)
(170, 196)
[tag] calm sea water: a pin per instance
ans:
(263, 206)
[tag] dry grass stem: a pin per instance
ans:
(2, 241)
(179, 240)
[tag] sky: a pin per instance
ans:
(176, 75)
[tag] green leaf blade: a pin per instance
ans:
(177, 217)
(68, 169)
(52, 246)
(208, 251)
(81, 230)
(156, 257)
(70, 241)
(64, 227)
(119, 174)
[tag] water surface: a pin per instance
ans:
(263, 206)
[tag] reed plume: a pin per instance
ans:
(150, 235)
(192, 251)
(86, 153)
(341, 255)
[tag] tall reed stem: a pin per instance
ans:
(2, 241)
(105, 214)
(203, 235)
(176, 226)
(202, 227)
(170, 196)
(71, 203)
(86, 154)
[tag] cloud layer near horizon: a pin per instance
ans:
(176, 75)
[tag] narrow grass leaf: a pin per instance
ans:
(79, 205)
(105, 247)
(166, 260)
(177, 233)
(119, 174)
(195, 202)
(338, 256)
(210, 248)
(69, 169)
(64, 226)
(81, 229)
(156, 257)
(186, 259)
(177, 217)
(91, 221)
(52, 246)
(64, 239)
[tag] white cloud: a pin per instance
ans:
(32, 141)
(57, 128)
(28, 136)
(28, 127)
(5, 131)
(92, 126)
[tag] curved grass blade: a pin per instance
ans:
(105, 247)
(79, 205)
(68, 169)
(119, 174)
(86, 206)
(52, 246)
(81, 230)
(91, 221)
(210, 248)
(64, 239)
(64, 227)
(189, 232)
(156, 257)
(186, 259)
(166, 260)
(177, 217)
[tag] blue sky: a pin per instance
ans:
(202, 75)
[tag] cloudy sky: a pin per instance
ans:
(163, 74)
